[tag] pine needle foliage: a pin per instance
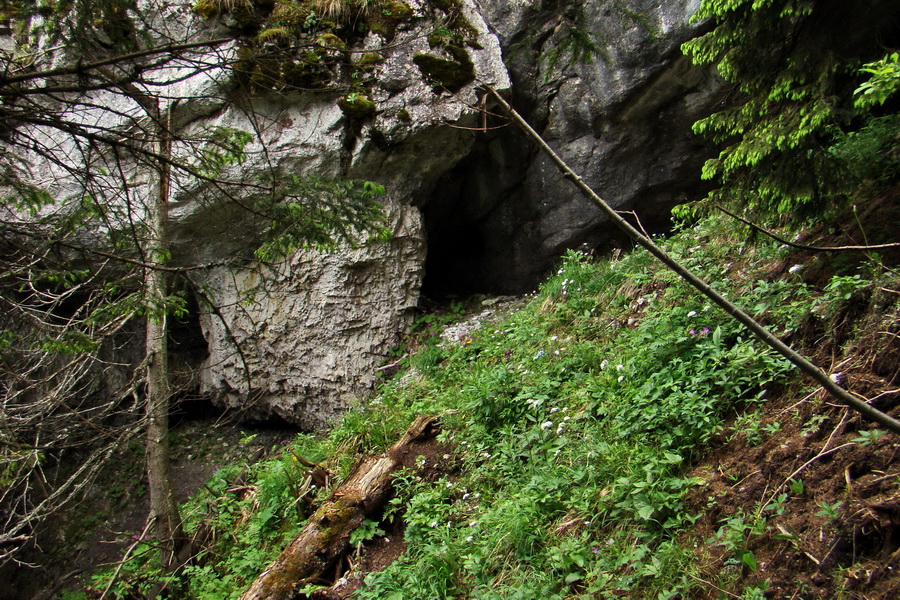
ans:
(795, 65)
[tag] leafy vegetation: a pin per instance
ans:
(803, 121)
(570, 430)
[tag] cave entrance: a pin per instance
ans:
(492, 229)
(479, 226)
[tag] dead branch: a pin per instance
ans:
(326, 537)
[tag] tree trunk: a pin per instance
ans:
(163, 506)
(325, 539)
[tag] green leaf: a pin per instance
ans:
(573, 577)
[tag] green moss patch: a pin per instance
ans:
(206, 9)
(388, 17)
(368, 61)
(278, 36)
(444, 74)
(357, 106)
(309, 73)
(331, 42)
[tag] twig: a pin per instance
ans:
(713, 586)
(125, 557)
(637, 220)
(801, 401)
(882, 394)
(803, 246)
(805, 465)
(757, 472)
(484, 128)
(796, 544)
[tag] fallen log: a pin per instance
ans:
(326, 537)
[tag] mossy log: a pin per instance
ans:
(326, 537)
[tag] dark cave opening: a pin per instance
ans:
(188, 349)
(490, 231)
(479, 224)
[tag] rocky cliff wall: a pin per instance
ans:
(301, 339)
(473, 207)
(621, 119)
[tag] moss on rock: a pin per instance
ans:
(206, 9)
(266, 74)
(357, 105)
(243, 66)
(368, 61)
(388, 17)
(456, 30)
(308, 73)
(330, 41)
(278, 36)
(288, 14)
(451, 75)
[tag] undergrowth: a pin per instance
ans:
(573, 423)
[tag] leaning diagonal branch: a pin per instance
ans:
(745, 319)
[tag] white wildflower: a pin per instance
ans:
(546, 424)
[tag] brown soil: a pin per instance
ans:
(800, 546)
(814, 502)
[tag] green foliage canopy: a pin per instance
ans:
(795, 65)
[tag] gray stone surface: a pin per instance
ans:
(319, 325)
(471, 210)
(622, 121)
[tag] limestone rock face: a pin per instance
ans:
(301, 339)
(622, 121)
(314, 328)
